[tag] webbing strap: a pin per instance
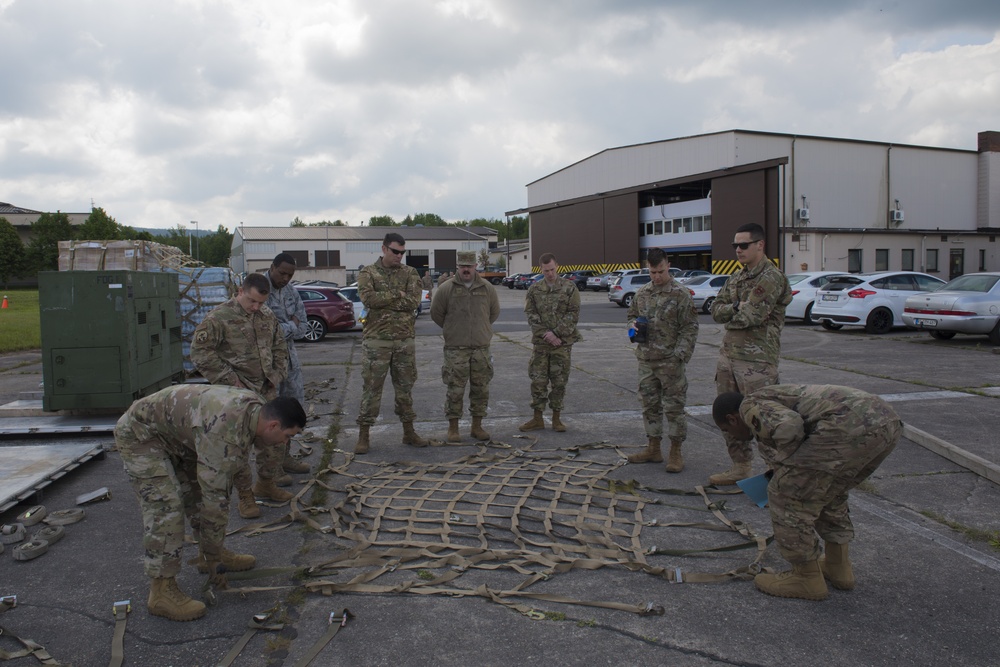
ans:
(120, 610)
(30, 648)
(336, 623)
(257, 623)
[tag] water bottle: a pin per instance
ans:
(638, 334)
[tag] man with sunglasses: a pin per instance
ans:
(390, 291)
(751, 305)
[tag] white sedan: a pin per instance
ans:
(804, 286)
(704, 289)
(870, 300)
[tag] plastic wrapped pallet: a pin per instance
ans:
(202, 288)
(131, 255)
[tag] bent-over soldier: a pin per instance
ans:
(820, 441)
(465, 308)
(671, 333)
(181, 448)
(751, 306)
(240, 344)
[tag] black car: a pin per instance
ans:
(509, 281)
(579, 278)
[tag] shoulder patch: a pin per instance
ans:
(755, 424)
(759, 290)
(201, 336)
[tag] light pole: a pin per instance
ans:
(195, 223)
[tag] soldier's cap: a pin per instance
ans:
(467, 258)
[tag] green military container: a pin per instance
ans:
(108, 337)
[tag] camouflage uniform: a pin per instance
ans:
(748, 359)
(391, 297)
(181, 448)
(671, 334)
(555, 309)
(466, 315)
(820, 441)
(231, 344)
(286, 304)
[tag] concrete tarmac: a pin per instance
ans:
(925, 555)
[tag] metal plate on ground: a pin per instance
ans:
(57, 424)
(25, 470)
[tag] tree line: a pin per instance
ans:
(41, 253)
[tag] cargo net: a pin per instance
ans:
(467, 527)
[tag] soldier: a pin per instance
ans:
(820, 441)
(751, 305)
(239, 343)
(671, 332)
(427, 282)
(391, 292)
(553, 309)
(181, 448)
(465, 308)
(286, 304)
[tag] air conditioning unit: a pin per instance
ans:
(896, 215)
(803, 213)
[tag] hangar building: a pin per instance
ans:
(825, 203)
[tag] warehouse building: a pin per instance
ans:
(825, 203)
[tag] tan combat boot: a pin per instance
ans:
(167, 600)
(361, 447)
(737, 472)
(804, 581)
(233, 562)
(836, 567)
(478, 432)
(453, 434)
(557, 424)
(651, 454)
(266, 488)
(248, 505)
(411, 438)
(675, 461)
(283, 479)
(534, 423)
(293, 465)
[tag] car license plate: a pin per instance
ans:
(830, 297)
(925, 323)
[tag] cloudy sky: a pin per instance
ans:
(258, 111)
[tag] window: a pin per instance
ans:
(932, 260)
(327, 258)
(982, 259)
(927, 284)
(688, 225)
(881, 259)
(854, 260)
(658, 227)
(708, 223)
(907, 259)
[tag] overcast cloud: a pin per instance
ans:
(260, 111)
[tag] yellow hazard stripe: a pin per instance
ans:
(727, 267)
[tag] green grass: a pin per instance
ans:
(20, 326)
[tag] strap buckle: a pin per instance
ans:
(9, 601)
(343, 617)
(125, 606)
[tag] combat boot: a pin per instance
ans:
(478, 432)
(294, 466)
(836, 567)
(651, 454)
(557, 424)
(167, 600)
(534, 423)
(265, 488)
(233, 562)
(675, 461)
(283, 479)
(737, 472)
(411, 438)
(361, 447)
(248, 505)
(453, 434)
(804, 581)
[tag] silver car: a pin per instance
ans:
(969, 304)
(704, 289)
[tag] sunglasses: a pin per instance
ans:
(397, 252)
(744, 245)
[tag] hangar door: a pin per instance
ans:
(589, 235)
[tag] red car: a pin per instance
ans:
(327, 310)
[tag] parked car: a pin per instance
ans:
(425, 302)
(969, 304)
(687, 274)
(527, 280)
(351, 294)
(579, 278)
(704, 289)
(510, 280)
(327, 310)
(602, 282)
(804, 287)
(625, 287)
(874, 301)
